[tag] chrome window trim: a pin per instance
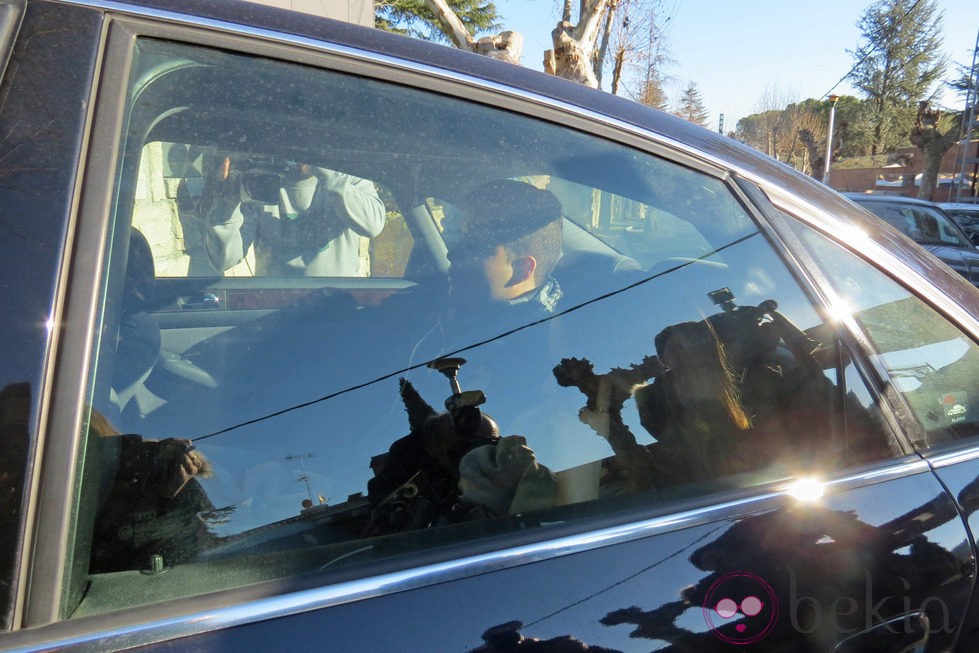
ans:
(860, 242)
(951, 458)
(144, 625)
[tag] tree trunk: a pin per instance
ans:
(617, 70)
(451, 25)
(599, 57)
(506, 46)
(816, 161)
(927, 137)
(573, 56)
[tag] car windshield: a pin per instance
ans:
(923, 223)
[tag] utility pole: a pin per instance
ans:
(833, 99)
(968, 124)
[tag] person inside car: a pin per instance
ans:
(504, 247)
(301, 220)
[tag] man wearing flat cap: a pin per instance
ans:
(505, 247)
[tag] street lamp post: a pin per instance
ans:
(829, 138)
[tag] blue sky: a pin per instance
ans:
(739, 52)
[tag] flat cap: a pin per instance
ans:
(505, 210)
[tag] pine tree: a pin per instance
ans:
(691, 106)
(415, 17)
(897, 65)
(652, 94)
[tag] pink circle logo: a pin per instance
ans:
(740, 608)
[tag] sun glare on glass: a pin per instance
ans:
(806, 489)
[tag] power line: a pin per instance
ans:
(461, 350)
(874, 47)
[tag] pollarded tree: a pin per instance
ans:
(691, 106)
(897, 65)
(935, 131)
(575, 53)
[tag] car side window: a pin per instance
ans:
(175, 209)
(578, 329)
(930, 362)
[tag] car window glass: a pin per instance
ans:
(931, 362)
(579, 329)
(919, 223)
(176, 211)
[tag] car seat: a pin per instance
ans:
(138, 342)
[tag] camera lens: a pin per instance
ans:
(262, 186)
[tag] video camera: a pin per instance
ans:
(260, 176)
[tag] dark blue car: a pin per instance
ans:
(318, 338)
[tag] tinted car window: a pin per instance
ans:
(967, 217)
(573, 328)
(176, 210)
(931, 362)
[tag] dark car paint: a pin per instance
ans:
(42, 122)
(963, 260)
(892, 547)
(816, 558)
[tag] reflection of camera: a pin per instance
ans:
(261, 185)
(261, 177)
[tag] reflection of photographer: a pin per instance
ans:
(301, 220)
(151, 501)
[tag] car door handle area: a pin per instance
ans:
(907, 633)
(201, 301)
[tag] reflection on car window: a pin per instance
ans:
(931, 363)
(218, 212)
(578, 329)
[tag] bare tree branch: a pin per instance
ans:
(453, 27)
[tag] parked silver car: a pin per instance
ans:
(928, 225)
(965, 214)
